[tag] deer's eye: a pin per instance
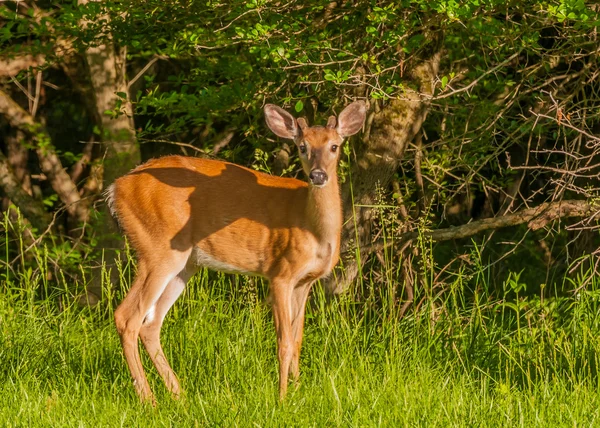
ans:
(302, 148)
(334, 148)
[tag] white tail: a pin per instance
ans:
(181, 214)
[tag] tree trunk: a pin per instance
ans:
(392, 129)
(50, 163)
(121, 151)
(107, 74)
(18, 155)
(32, 209)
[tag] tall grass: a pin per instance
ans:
(465, 357)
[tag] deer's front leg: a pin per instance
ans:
(282, 314)
(299, 299)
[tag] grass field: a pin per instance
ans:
(467, 358)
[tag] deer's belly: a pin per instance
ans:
(200, 258)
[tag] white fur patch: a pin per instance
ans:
(150, 314)
(109, 196)
(200, 258)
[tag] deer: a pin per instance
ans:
(182, 214)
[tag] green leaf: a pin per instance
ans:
(444, 81)
(329, 75)
(299, 106)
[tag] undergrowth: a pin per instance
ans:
(465, 357)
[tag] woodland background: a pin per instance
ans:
(480, 145)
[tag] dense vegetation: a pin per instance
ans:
(467, 289)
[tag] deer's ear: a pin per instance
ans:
(331, 122)
(351, 119)
(281, 122)
(302, 123)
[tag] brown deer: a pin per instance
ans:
(181, 214)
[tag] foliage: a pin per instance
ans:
(511, 122)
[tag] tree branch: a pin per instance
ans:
(50, 163)
(536, 218)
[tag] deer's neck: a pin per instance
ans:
(324, 211)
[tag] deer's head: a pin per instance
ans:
(319, 147)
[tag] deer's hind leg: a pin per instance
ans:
(149, 284)
(150, 330)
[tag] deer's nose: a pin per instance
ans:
(318, 177)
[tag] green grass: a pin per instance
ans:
(467, 356)
(359, 367)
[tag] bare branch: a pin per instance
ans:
(568, 125)
(474, 82)
(143, 70)
(23, 89)
(86, 157)
(536, 218)
(223, 142)
(49, 161)
(38, 88)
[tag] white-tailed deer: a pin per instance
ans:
(181, 214)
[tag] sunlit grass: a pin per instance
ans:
(455, 361)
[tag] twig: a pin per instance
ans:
(38, 89)
(566, 124)
(474, 82)
(22, 88)
(143, 70)
(176, 143)
(223, 142)
(236, 18)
